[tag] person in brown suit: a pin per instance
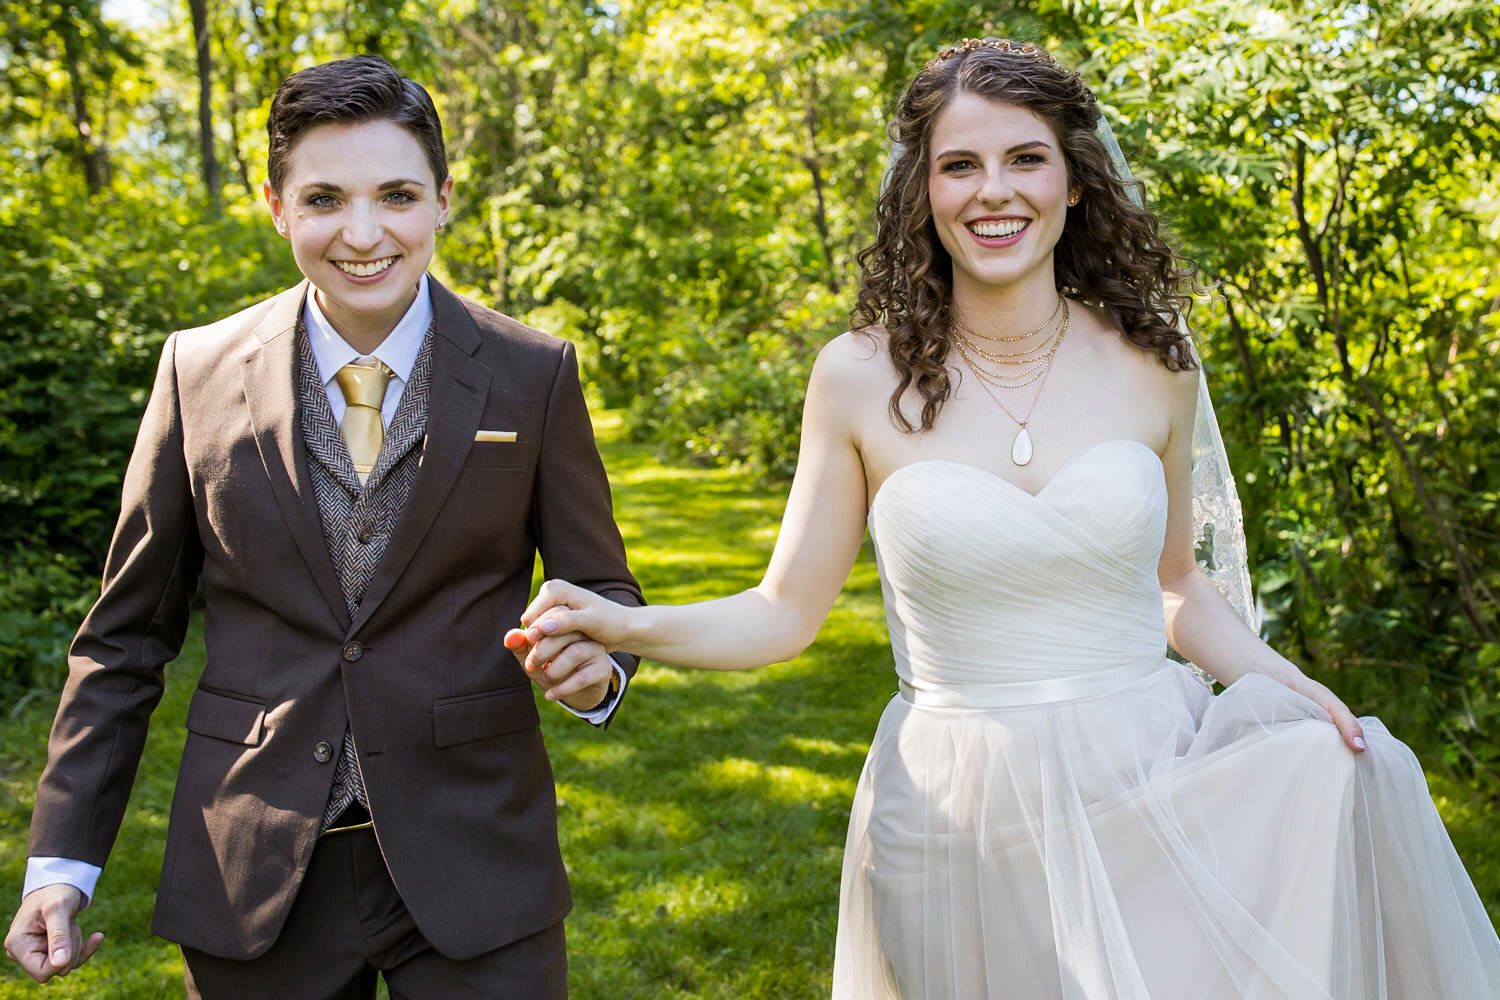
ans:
(351, 468)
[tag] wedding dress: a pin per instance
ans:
(1052, 809)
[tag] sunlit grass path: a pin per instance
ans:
(704, 831)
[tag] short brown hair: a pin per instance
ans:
(347, 92)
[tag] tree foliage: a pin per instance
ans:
(679, 186)
(1330, 169)
(93, 282)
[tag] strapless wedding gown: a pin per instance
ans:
(1053, 810)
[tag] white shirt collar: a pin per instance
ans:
(398, 350)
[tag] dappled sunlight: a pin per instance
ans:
(717, 840)
(828, 748)
(681, 191)
(776, 783)
(698, 561)
(1470, 819)
(602, 753)
(590, 815)
(703, 894)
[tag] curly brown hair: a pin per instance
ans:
(1110, 256)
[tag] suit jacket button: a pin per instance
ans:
(322, 753)
(353, 651)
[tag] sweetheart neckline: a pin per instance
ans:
(1073, 458)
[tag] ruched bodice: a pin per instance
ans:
(996, 597)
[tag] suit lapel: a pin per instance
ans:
(271, 392)
(456, 402)
(409, 422)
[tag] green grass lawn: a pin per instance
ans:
(703, 832)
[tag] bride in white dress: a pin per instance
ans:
(1052, 808)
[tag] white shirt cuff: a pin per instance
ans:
(598, 716)
(41, 872)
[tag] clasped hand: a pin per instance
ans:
(563, 642)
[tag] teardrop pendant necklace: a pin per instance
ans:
(1021, 449)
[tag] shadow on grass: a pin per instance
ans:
(704, 832)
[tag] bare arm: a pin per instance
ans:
(821, 530)
(1201, 624)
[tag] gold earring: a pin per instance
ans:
(1072, 200)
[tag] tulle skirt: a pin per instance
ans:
(1153, 842)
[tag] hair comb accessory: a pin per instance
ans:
(998, 44)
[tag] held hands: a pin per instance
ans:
(566, 657)
(560, 608)
(45, 938)
(569, 668)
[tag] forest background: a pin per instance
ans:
(680, 187)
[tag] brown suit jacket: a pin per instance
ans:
(458, 779)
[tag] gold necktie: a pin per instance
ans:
(363, 387)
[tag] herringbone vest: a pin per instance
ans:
(358, 521)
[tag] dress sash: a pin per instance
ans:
(1017, 694)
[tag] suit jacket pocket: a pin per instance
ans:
(473, 717)
(496, 455)
(226, 717)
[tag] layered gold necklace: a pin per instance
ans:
(1016, 369)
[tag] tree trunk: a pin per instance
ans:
(502, 258)
(815, 168)
(199, 9)
(1477, 600)
(90, 153)
(238, 149)
(1247, 364)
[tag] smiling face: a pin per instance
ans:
(360, 206)
(998, 188)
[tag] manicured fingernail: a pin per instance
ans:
(1359, 742)
(549, 626)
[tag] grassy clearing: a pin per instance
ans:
(704, 831)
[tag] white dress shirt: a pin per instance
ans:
(398, 351)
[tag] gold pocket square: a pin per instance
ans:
(494, 435)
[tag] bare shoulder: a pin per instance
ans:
(854, 363)
(857, 352)
(1143, 367)
(851, 385)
